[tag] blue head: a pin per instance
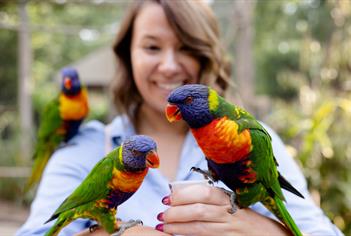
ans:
(139, 152)
(70, 81)
(191, 103)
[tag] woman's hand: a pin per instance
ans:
(203, 210)
(135, 231)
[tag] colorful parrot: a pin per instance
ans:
(60, 121)
(238, 149)
(112, 181)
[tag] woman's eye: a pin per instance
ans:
(152, 48)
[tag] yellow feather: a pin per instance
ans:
(213, 100)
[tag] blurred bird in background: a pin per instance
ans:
(59, 122)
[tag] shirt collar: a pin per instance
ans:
(191, 155)
(120, 128)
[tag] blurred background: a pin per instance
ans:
(291, 66)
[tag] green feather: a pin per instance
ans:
(264, 164)
(50, 120)
(277, 206)
(243, 118)
(94, 187)
(267, 188)
(48, 140)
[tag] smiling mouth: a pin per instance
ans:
(169, 86)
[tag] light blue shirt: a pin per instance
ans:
(70, 165)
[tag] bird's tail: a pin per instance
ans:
(39, 164)
(277, 206)
(56, 228)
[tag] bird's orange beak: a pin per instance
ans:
(67, 83)
(173, 113)
(152, 159)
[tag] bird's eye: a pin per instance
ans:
(136, 153)
(188, 100)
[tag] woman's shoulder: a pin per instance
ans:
(87, 146)
(90, 129)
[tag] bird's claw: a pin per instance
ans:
(232, 197)
(207, 175)
(126, 226)
(93, 228)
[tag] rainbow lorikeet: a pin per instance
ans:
(112, 181)
(59, 122)
(238, 149)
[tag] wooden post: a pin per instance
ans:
(24, 91)
(244, 63)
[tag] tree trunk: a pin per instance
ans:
(244, 63)
(24, 93)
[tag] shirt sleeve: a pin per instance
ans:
(66, 169)
(307, 215)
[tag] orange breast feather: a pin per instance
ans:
(74, 107)
(221, 142)
(126, 181)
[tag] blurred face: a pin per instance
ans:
(160, 62)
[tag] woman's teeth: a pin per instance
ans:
(170, 86)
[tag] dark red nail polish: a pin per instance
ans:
(160, 216)
(159, 227)
(166, 200)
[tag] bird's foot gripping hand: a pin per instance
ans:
(124, 226)
(232, 197)
(207, 175)
(93, 228)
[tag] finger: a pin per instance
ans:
(196, 212)
(97, 232)
(199, 194)
(195, 228)
(143, 231)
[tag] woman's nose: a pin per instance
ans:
(169, 64)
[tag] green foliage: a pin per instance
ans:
(316, 131)
(278, 68)
(60, 35)
(8, 72)
(10, 188)
(303, 59)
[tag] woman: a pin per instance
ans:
(161, 45)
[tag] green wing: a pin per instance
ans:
(262, 156)
(50, 121)
(264, 163)
(94, 186)
(47, 141)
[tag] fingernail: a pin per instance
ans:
(160, 216)
(159, 227)
(166, 200)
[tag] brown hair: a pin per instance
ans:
(197, 28)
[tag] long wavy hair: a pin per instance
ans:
(196, 27)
